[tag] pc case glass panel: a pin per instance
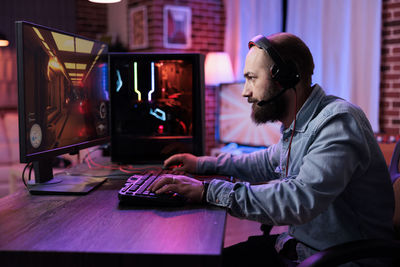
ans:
(157, 106)
(155, 99)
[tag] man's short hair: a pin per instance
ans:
(291, 47)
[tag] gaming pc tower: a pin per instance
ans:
(157, 106)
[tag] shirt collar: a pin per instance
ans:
(308, 110)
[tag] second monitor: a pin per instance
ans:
(157, 103)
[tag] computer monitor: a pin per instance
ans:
(63, 101)
(157, 106)
(234, 123)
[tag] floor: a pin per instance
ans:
(238, 230)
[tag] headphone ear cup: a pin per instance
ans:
(278, 75)
(287, 75)
(292, 75)
(274, 70)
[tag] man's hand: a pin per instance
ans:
(184, 162)
(190, 188)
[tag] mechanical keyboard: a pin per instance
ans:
(135, 192)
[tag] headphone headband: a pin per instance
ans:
(285, 73)
(262, 42)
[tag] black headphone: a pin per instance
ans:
(284, 73)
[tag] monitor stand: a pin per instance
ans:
(62, 184)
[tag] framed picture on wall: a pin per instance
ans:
(177, 27)
(138, 28)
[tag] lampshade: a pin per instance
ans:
(218, 68)
(104, 1)
(3, 40)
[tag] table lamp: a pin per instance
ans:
(3, 40)
(218, 69)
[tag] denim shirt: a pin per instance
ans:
(338, 187)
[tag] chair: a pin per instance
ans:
(370, 248)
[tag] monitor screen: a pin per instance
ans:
(156, 105)
(234, 123)
(63, 95)
(63, 92)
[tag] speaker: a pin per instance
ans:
(284, 73)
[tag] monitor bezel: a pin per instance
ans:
(72, 149)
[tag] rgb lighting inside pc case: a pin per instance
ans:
(157, 106)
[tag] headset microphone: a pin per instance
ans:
(275, 97)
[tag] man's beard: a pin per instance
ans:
(270, 112)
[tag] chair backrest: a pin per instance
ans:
(394, 175)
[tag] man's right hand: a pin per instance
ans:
(182, 162)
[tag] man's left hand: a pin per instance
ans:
(190, 188)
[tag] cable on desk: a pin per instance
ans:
(129, 169)
(30, 172)
(90, 152)
(29, 165)
(92, 164)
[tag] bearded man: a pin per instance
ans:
(326, 178)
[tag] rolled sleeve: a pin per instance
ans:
(244, 200)
(220, 193)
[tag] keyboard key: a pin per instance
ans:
(133, 188)
(126, 187)
(140, 181)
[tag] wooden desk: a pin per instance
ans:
(92, 230)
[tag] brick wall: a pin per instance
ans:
(208, 24)
(390, 69)
(91, 19)
(208, 30)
